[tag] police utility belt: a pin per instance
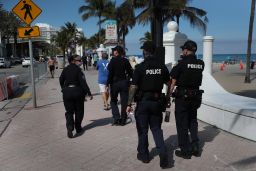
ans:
(187, 93)
(148, 96)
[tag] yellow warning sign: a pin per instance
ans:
(27, 32)
(27, 11)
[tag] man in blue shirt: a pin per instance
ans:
(102, 67)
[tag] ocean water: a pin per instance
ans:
(218, 58)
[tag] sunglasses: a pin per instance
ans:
(79, 60)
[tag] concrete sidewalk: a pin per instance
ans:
(36, 140)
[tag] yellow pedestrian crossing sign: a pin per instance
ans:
(27, 32)
(27, 11)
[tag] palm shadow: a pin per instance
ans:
(95, 123)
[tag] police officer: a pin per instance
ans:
(187, 76)
(120, 72)
(148, 79)
(74, 89)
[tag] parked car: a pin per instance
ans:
(26, 62)
(6, 63)
(16, 60)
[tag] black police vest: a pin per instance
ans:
(152, 80)
(191, 74)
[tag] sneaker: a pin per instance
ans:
(143, 159)
(70, 134)
(183, 154)
(163, 161)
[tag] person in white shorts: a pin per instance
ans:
(101, 66)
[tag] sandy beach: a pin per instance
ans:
(232, 79)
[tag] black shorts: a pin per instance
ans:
(52, 67)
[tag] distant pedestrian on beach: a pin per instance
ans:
(102, 67)
(74, 89)
(120, 72)
(187, 76)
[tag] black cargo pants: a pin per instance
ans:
(148, 114)
(186, 121)
(74, 104)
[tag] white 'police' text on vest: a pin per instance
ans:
(195, 66)
(153, 71)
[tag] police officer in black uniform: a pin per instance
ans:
(148, 80)
(187, 76)
(120, 72)
(74, 89)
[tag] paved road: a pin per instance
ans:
(23, 73)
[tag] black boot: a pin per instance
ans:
(70, 134)
(123, 121)
(183, 154)
(195, 149)
(116, 122)
(163, 161)
(142, 158)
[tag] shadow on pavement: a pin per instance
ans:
(95, 123)
(206, 135)
(245, 162)
(20, 92)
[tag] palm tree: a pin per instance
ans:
(62, 41)
(95, 8)
(8, 28)
(72, 34)
(171, 9)
(147, 37)
(197, 17)
(248, 58)
(125, 17)
(126, 20)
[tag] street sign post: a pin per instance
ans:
(27, 32)
(27, 11)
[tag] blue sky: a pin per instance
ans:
(228, 22)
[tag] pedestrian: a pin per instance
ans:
(120, 72)
(84, 59)
(102, 65)
(74, 89)
(187, 76)
(148, 80)
(51, 64)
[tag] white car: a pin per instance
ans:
(26, 62)
(5, 63)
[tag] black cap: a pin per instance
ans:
(189, 45)
(148, 46)
(119, 49)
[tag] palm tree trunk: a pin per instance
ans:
(249, 46)
(15, 45)
(99, 31)
(178, 22)
(124, 42)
